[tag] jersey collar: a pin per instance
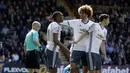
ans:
(102, 27)
(84, 22)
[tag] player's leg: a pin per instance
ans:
(98, 71)
(51, 61)
(85, 69)
(37, 61)
(91, 62)
(73, 67)
(66, 69)
(55, 62)
(75, 60)
(28, 62)
(52, 70)
(92, 71)
(30, 70)
(84, 63)
(53, 67)
(36, 70)
(98, 63)
(32, 61)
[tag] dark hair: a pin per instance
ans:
(55, 14)
(103, 16)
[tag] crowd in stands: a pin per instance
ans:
(16, 17)
(118, 37)
(101, 2)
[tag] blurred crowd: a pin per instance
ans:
(123, 3)
(16, 17)
(118, 37)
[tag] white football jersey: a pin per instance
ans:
(97, 34)
(53, 27)
(79, 29)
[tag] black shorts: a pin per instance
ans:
(94, 61)
(32, 59)
(78, 57)
(52, 58)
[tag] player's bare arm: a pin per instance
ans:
(85, 33)
(57, 42)
(25, 50)
(82, 36)
(103, 50)
(66, 23)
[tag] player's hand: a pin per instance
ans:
(67, 51)
(25, 52)
(105, 59)
(75, 42)
(40, 48)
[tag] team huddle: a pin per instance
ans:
(88, 40)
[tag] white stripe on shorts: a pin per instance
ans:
(90, 56)
(54, 56)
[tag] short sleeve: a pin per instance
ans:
(89, 23)
(70, 23)
(35, 36)
(55, 28)
(92, 28)
(105, 35)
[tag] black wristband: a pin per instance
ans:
(40, 46)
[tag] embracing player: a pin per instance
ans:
(80, 26)
(97, 36)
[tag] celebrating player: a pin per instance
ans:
(80, 26)
(53, 42)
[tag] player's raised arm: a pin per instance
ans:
(85, 13)
(86, 32)
(81, 37)
(65, 23)
(69, 23)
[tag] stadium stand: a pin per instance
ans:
(118, 38)
(15, 21)
(16, 17)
